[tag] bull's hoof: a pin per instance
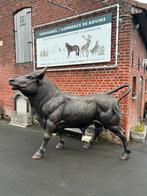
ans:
(87, 146)
(124, 156)
(60, 146)
(37, 156)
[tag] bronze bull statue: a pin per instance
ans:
(56, 110)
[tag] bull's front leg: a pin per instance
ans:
(50, 127)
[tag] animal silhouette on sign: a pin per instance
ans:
(70, 48)
(98, 49)
(94, 50)
(56, 110)
(85, 47)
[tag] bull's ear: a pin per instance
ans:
(41, 74)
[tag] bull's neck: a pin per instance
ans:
(46, 91)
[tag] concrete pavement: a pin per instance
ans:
(73, 171)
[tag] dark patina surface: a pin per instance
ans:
(56, 110)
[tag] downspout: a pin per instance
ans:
(74, 17)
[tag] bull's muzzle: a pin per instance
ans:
(13, 84)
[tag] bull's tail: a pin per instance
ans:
(121, 87)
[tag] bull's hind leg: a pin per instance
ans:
(50, 127)
(120, 133)
(61, 143)
(97, 131)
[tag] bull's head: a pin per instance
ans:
(28, 84)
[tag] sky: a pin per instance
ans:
(143, 1)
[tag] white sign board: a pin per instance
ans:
(83, 42)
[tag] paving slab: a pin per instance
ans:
(72, 171)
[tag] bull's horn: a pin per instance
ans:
(42, 73)
(44, 70)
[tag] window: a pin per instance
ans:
(23, 36)
(134, 87)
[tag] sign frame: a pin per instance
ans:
(86, 31)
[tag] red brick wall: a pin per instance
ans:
(82, 81)
(139, 52)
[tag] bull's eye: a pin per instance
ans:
(30, 77)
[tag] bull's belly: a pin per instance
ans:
(74, 124)
(78, 120)
(78, 113)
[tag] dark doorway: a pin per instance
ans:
(140, 97)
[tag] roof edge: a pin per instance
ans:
(136, 4)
